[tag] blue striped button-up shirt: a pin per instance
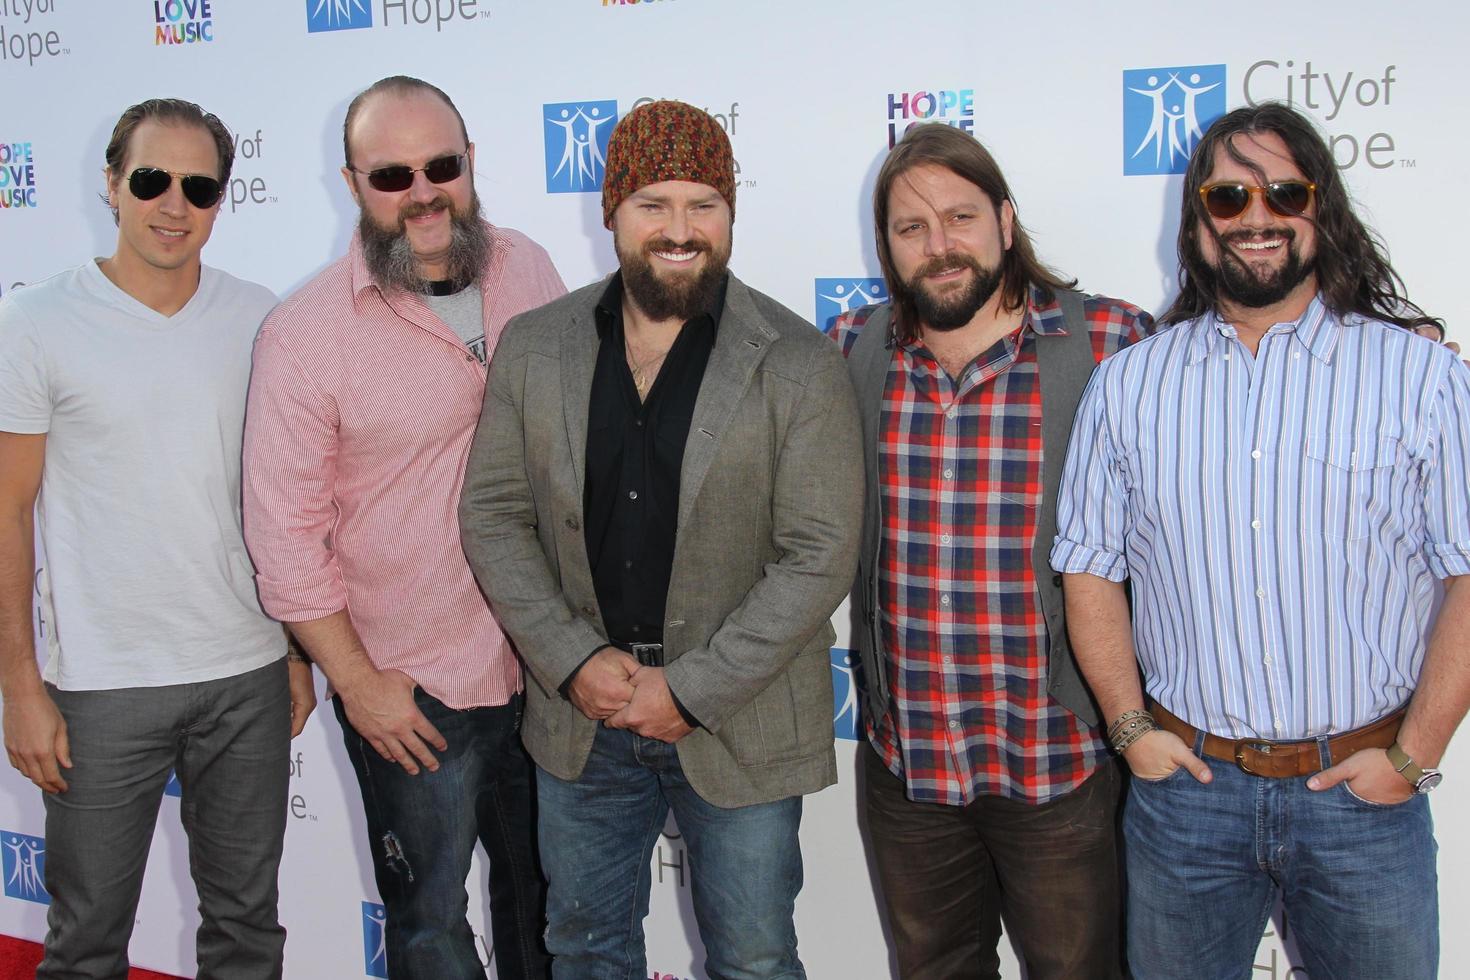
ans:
(1282, 517)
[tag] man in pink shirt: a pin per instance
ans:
(366, 392)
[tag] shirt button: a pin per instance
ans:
(944, 539)
(944, 599)
(632, 494)
(1260, 593)
(469, 357)
(948, 474)
(637, 628)
(1296, 353)
(1266, 660)
(1255, 454)
(588, 611)
(948, 659)
(628, 564)
(1256, 524)
(951, 413)
(954, 724)
(638, 423)
(1276, 725)
(571, 523)
(1227, 355)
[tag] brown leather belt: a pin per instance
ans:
(1282, 759)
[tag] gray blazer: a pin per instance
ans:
(770, 506)
(1065, 364)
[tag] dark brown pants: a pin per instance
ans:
(950, 874)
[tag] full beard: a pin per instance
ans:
(952, 309)
(1255, 288)
(389, 254)
(676, 295)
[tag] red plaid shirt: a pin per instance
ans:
(961, 485)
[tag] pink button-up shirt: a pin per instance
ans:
(361, 411)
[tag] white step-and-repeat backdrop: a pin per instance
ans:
(1089, 107)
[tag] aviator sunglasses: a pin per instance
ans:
(400, 176)
(146, 183)
(1285, 198)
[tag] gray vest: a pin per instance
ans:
(1065, 363)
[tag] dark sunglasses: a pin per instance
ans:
(1285, 198)
(400, 177)
(146, 183)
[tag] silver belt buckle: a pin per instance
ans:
(647, 654)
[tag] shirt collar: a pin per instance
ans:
(1045, 316)
(1316, 330)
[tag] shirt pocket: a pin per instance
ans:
(1351, 484)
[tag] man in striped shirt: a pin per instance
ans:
(1282, 477)
(989, 789)
(364, 398)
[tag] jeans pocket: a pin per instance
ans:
(1355, 798)
(1162, 780)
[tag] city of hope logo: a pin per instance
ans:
(374, 940)
(576, 144)
(24, 865)
(838, 296)
(1165, 112)
(337, 15)
(182, 21)
(17, 175)
(845, 723)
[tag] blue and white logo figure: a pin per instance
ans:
(24, 864)
(844, 695)
(1166, 112)
(337, 15)
(173, 787)
(576, 144)
(374, 940)
(838, 296)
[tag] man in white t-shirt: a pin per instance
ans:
(122, 398)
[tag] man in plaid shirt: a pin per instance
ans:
(989, 789)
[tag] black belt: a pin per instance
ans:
(647, 654)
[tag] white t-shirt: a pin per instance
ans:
(147, 579)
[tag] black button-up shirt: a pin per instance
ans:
(634, 454)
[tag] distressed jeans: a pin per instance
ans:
(229, 740)
(598, 833)
(1205, 864)
(421, 835)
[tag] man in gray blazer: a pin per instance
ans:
(662, 504)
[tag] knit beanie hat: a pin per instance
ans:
(666, 140)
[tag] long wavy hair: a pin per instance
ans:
(1353, 272)
(957, 151)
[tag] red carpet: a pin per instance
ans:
(18, 961)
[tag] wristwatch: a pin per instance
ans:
(1423, 780)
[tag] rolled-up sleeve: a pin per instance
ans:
(1092, 503)
(290, 466)
(1447, 487)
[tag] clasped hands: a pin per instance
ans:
(613, 688)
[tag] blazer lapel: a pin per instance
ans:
(740, 345)
(578, 363)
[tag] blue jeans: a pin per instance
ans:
(421, 835)
(1205, 864)
(228, 739)
(598, 833)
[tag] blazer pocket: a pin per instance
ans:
(764, 731)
